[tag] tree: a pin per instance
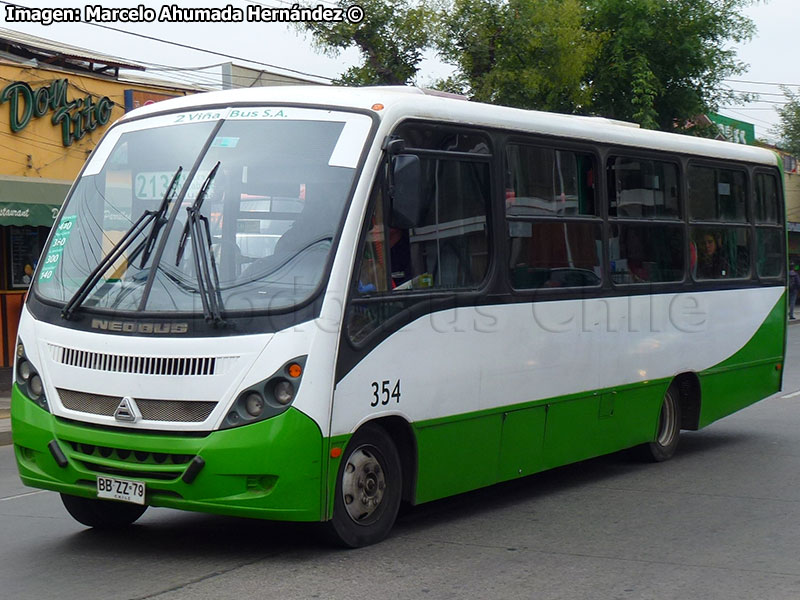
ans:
(523, 53)
(391, 38)
(663, 62)
(789, 127)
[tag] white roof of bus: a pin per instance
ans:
(409, 102)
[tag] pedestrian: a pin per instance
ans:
(794, 287)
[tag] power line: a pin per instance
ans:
(763, 83)
(749, 117)
(189, 47)
(758, 93)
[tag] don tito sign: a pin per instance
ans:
(75, 117)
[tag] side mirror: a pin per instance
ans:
(408, 205)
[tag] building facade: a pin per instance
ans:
(56, 102)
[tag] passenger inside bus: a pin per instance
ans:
(711, 263)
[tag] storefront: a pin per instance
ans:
(50, 120)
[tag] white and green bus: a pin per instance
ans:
(313, 304)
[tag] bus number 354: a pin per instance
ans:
(381, 393)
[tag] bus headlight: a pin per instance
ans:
(267, 398)
(283, 392)
(254, 404)
(28, 380)
(35, 385)
(24, 370)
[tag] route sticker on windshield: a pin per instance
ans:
(225, 142)
(63, 231)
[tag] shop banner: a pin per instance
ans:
(35, 215)
(30, 201)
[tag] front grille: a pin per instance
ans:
(141, 365)
(130, 463)
(183, 411)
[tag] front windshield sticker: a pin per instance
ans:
(348, 146)
(152, 185)
(60, 238)
(225, 142)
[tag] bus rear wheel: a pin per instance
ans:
(368, 489)
(102, 514)
(669, 429)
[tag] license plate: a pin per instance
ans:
(120, 489)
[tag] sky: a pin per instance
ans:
(771, 55)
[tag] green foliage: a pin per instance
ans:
(789, 127)
(524, 53)
(663, 62)
(659, 63)
(391, 39)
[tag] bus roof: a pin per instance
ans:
(400, 103)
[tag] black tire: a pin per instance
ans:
(371, 467)
(102, 514)
(669, 429)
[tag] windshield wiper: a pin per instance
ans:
(159, 221)
(207, 278)
(118, 249)
(194, 208)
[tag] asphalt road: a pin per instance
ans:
(719, 521)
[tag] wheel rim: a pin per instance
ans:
(667, 421)
(363, 485)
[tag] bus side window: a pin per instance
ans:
(449, 249)
(372, 271)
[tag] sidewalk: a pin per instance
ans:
(5, 406)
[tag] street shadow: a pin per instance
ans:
(603, 469)
(188, 535)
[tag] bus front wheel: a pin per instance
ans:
(669, 429)
(368, 489)
(102, 514)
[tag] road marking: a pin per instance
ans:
(22, 495)
(792, 395)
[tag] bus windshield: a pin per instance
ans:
(237, 207)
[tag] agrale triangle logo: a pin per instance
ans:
(76, 117)
(127, 410)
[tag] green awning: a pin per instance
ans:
(30, 201)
